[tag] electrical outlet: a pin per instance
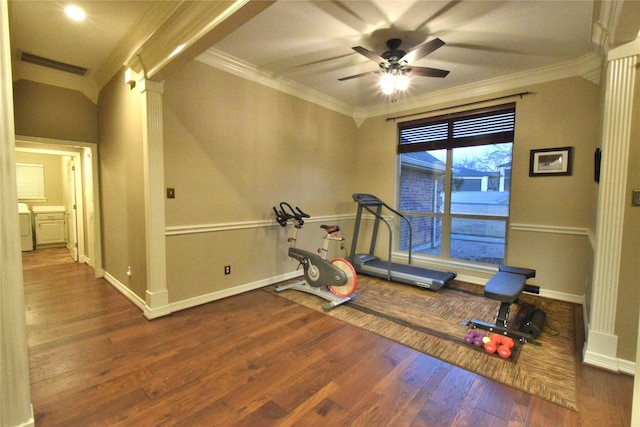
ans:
(227, 269)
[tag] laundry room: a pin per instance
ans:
(45, 199)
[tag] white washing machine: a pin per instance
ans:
(26, 227)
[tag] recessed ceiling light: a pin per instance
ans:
(75, 13)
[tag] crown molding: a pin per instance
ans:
(134, 39)
(588, 67)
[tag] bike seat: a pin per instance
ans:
(330, 228)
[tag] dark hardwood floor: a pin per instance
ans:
(257, 360)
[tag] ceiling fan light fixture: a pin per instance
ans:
(402, 82)
(395, 65)
(393, 81)
(387, 83)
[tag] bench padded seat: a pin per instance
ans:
(508, 283)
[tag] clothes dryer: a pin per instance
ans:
(26, 227)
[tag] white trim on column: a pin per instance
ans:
(602, 343)
(157, 295)
(15, 394)
(631, 49)
(600, 350)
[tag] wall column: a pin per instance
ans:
(602, 343)
(15, 394)
(157, 296)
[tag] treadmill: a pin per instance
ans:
(371, 265)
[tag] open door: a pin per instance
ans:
(71, 207)
(80, 194)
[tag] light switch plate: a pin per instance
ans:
(635, 198)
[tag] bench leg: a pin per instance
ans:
(500, 327)
(523, 337)
(503, 314)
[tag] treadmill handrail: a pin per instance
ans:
(362, 199)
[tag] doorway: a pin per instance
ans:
(80, 194)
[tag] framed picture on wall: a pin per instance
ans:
(551, 161)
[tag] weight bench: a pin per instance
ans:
(506, 286)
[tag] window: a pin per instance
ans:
(30, 180)
(455, 178)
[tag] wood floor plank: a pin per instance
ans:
(499, 400)
(68, 406)
(470, 404)
(435, 413)
(256, 359)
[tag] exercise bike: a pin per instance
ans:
(334, 280)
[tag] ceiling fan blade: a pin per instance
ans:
(372, 56)
(427, 72)
(422, 50)
(355, 76)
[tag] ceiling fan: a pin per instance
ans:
(395, 64)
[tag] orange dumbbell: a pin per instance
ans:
(492, 344)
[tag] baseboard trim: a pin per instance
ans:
(601, 361)
(225, 293)
(627, 367)
(563, 296)
(608, 363)
(600, 350)
(31, 422)
(151, 314)
(135, 299)
(594, 352)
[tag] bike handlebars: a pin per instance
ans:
(282, 216)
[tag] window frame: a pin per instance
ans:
(446, 218)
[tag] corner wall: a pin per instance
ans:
(554, 213)
(122, 190)
(233, 150)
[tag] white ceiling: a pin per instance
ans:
(309, 43)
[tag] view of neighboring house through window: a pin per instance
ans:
(455, 178)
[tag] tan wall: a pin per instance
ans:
(122, 187)
(53, 112)
(562, 113)
(234, 149)
(628, 289)
(53, 176)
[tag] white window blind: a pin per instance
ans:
(30, 178)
